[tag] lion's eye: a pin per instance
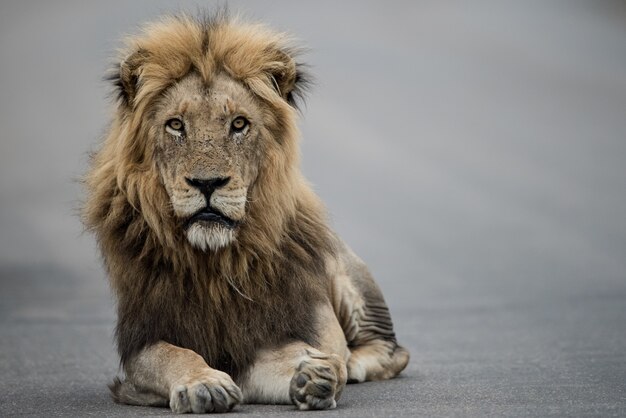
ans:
(174, 126)
(239, 124)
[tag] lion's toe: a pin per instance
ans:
(205, 395)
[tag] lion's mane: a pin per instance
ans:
(258, 291)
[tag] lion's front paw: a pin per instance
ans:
(318, 382)
(206, 391)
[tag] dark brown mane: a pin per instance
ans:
(217, 316)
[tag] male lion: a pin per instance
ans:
(230, 285)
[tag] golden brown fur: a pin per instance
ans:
(261, 290)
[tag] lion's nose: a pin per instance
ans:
(208, 186)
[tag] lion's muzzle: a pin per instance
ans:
(209, 214)
(213, 225)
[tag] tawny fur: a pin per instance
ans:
(260, 290)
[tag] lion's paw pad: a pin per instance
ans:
(314, 385)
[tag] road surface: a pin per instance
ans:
(474, 154)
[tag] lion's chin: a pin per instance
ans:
(209, 235)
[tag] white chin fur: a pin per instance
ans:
(210, 237)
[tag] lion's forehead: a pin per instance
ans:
(220, 98)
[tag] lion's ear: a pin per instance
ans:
(289, 79)
(127, 76)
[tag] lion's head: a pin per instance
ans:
(203, 144)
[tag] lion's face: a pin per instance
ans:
(208, 148)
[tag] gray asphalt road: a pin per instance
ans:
(473, 154)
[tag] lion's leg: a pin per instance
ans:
(366, 322)
(376, 360)
(163, 373)
(299, 373)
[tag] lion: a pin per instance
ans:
(230, 285)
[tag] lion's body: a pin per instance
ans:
(269, 282)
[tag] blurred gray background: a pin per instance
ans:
(473, 153)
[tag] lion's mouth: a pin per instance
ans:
(210, 215)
